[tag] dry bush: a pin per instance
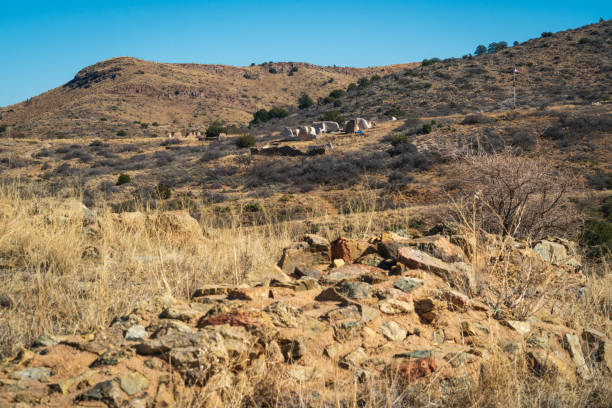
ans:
(517, 196)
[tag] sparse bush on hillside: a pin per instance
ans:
(333, 116)
(427, 127)
(546, 34)
(263, 115)
(475, 119)
(305, 101)
(363, 82)
(398, 138)
(497, 46)
(516, 196)
(351, 86)
(123, 179)
(337, 93)
(122, 133)
(162, 191)
(144, 125)
(245, 141)
(170, 142)
(395, 111)
(215, 129)
(481, 49)
(430, 61)
(2, 128)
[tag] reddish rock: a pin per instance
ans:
(237, 318)
(418, 368)
(348, 249)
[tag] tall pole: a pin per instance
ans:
(514, 87)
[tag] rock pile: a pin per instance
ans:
(333, 312)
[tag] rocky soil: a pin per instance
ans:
(331, 314)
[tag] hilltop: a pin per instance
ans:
(111, 95)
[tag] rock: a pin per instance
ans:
(259, 292)
(354, 359)
(416, 354)
(438, 337)
(132, 383)
(408, 284)
(135, 333)
(459, 359)
(356, 290)
(235, 318)
(513, 348)
(348, 330)
(293, 349)
(112, 357)
(572, 344)
(601, 346)
(441, 248)
(522, 327)
(64, 386)
(338, 263)
(429, 309)
(350, 273)
(330, 295)
(458, 273)
(41, 374)
(107, 392)
(306, 283)
(212, 290)
(348, 249)
(300, 373)
(388, 250)
(333, 350)
(45, 340)
(167, 326)
(466, 329)
(375, 260)
(307, 271)
(284, 315)
(456, 301)
(313, 250)
(181, 314)
(537, 340)
(393, 331)
(351, 312)
(418, 368)
(266, 274)
(395, 306)
(545, 363)
(457, 384)
(551, 252)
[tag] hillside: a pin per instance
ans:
(569, 67)
(111, 95)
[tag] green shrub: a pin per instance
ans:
(597, 238)
(144, 125)
(337, 93)
(245, 141)
(375, 78)
(399, 139)
(606, 208)
(430, 61)
(481, 49)
(351, 87)
(337, 103)
(409, 72)
(122, 133)
(123, 179)
(263, 115)
(103, 119)
(333, 116)
(252, 207)
(395, 111)
(427, 128)
(305, 101)
(154, 124)
(363, 82)
(2, 128)
(584, 40)
(546, 34)
(497, 46)
(162, 191)
(215, 129)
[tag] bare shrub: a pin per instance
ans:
(517, 196)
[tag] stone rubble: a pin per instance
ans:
(364, 307)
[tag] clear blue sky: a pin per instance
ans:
(44, 43)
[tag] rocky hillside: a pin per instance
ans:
(332, 315)
(111, 95)
(568, 67)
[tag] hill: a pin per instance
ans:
(569, 67)
(110, 96)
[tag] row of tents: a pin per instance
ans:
(319, 128)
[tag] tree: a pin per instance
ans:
(305, 101)
(215, 129)
(481, 49)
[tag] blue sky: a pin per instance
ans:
(44, 43)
